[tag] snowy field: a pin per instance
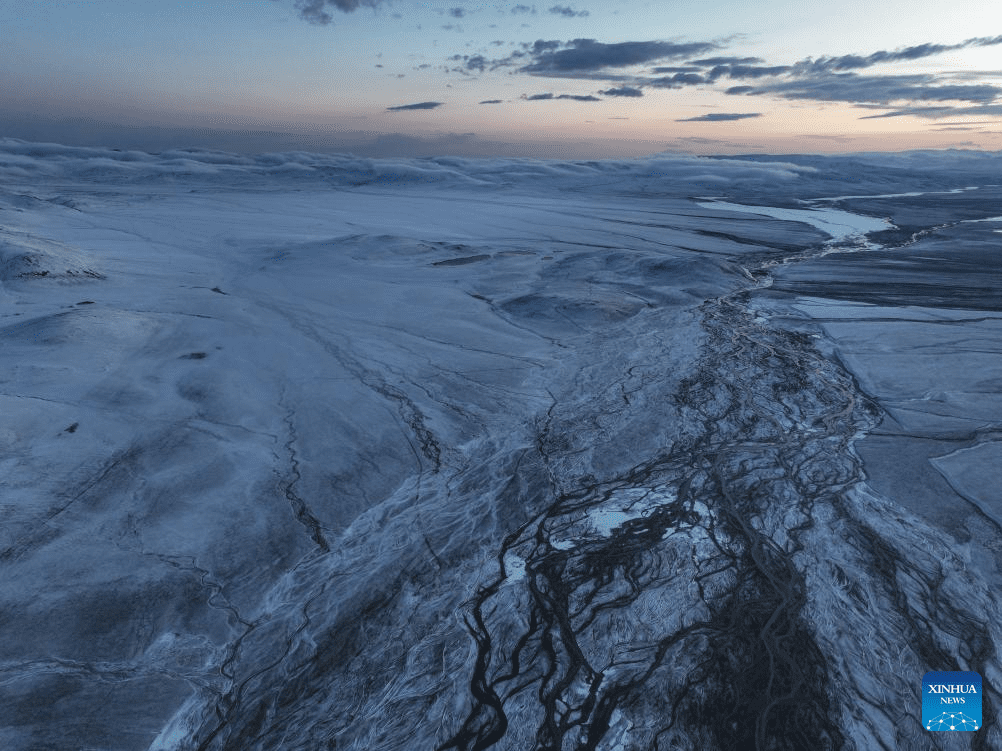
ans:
(322, 452)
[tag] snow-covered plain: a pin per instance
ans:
(317, 452)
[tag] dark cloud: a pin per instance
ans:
(471, 64)
(315, 11)
(827, 79)
(746, 71)
(418, 106)
(540, 46)
(708, 62)
(623, 91)
(582, 55)
(568, 12)
(716, 117)
(478, 63)
(491, 101)
(851, 62)
(935, 112)
(677, 81)
(939, 111)
(832, 79)
(575, 97)
(858, 89)
(677, 69)
(974, 75)
(319, 11)
(481, 63)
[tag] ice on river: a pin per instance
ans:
(840, 225)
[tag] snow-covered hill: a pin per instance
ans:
(303, 451)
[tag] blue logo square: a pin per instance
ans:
(951, 700)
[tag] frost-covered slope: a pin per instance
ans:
(307, 452)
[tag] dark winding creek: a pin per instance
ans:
(751, 591)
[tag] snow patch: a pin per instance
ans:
(841, 225)
(24, 257)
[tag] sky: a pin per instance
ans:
(559, 79)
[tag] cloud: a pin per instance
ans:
(677, 69)
(942, 111)
(623, 91)
(833, 79)
(746, 71)
(677, 81)
(567, 11)
(974, 75)
(667, 173)
(491, 101)
(859, 89)
(711, 61)
(827, 79)
(315, 11)
(575, 97)
(418, 106)
(196, 166)
(851, 62)
(582, 55)
(319, 11)
(471, 62)
(540, 46)
(716, 142)
(716, 117)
